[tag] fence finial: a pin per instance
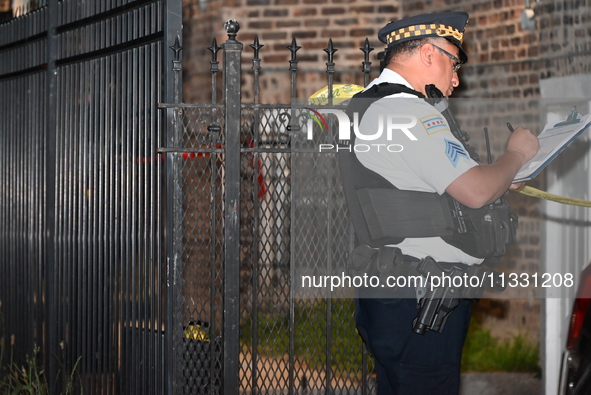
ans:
(177, 48)
(293, 48)
(366, 63)
(330, 51)
(256, 66)
(293, 65)
(214, 68)
(256, 46)
(232, 26)
(330, 68)
(214, 55)
(366, 50)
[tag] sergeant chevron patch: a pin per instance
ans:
(434, 123)
(454, 152)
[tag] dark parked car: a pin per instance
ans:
(575, 377)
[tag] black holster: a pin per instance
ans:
(437, 303)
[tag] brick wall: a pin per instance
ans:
(5, 5)
(276, 22)
(499, 84)
(202, 22)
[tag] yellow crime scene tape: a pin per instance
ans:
(343, 92)
(533, 192)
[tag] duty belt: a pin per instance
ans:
(434, 303)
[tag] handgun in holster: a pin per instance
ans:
(437, 302)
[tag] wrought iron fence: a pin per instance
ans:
(158, 251)
(81, 268)
(255, 206)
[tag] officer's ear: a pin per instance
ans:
(427, 54)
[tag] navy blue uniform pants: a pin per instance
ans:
(408, 363)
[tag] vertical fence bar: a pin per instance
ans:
(214, 68)
(39, 207)
(293, 129)
(214, 132)
(176, 262)
(172, 93)
(156, 216)
(256, 66)
(366, 69)
(51, 273)
(330, 70)
(232, 96)
(293, 67)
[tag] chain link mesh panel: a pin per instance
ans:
(323, 238)
(198, 230)
(294, 222)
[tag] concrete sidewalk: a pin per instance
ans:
(500, 383)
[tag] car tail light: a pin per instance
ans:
(580, 308)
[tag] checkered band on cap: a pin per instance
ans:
(424, 30)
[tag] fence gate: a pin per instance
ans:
(253, 206)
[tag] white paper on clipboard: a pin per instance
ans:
(553, 140)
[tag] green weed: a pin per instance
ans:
(31, 378)
(485, 353)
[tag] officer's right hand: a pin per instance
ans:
(523, 142)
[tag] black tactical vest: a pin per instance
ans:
(382, 214)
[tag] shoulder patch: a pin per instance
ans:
(434, 123)
(455, 152)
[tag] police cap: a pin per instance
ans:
(448, 25)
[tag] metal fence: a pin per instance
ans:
(82, 274)
(255, 206)
(158, 250)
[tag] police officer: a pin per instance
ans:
(421, 51)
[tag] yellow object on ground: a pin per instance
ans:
(196, 332)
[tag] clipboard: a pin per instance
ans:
(554, 138)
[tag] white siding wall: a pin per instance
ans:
(566, 229)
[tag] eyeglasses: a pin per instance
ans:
(458, 61)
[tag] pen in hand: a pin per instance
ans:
(510, 127)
